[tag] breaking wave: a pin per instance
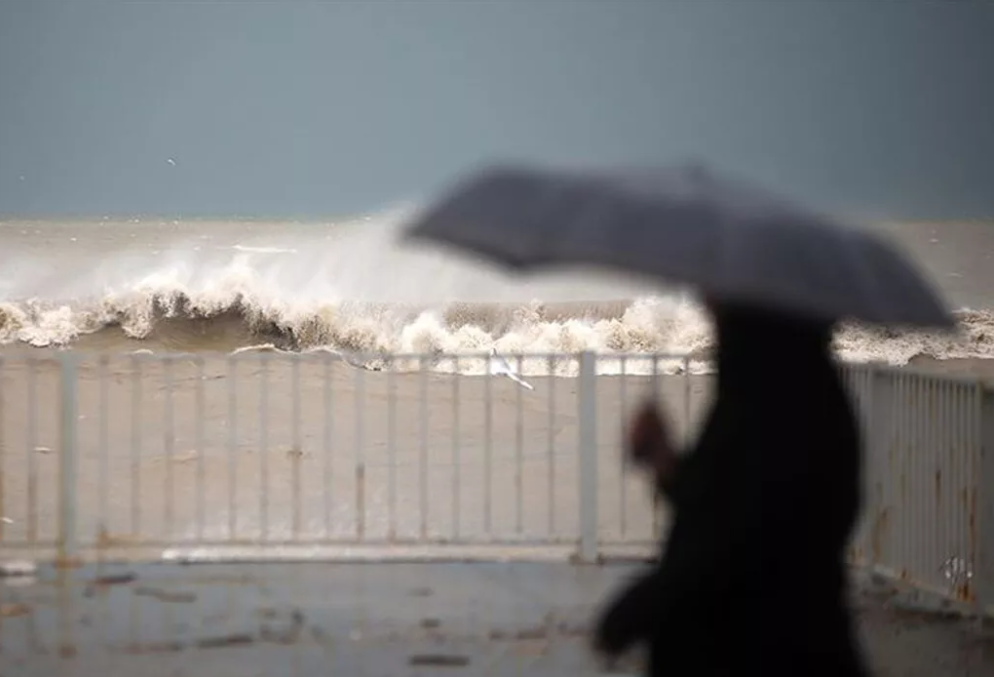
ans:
(175, 319)
(287, 294)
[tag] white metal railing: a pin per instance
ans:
(267, 455)
(925, 519)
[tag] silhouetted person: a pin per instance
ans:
(753, 578)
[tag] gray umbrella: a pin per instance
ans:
(688, 225)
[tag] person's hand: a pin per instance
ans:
(648, 442)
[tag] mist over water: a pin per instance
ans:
(350, 287)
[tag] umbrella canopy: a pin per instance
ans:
(683, 224)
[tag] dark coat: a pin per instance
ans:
(753, 577)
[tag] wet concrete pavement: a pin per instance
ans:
(371, 619)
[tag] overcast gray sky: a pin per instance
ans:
(291, 108)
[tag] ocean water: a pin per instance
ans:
(224, 285)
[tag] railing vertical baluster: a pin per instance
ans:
(296, 454)
(551, 451)
(328, 435)
(391, 379)
(232, 383)
(519, 459)
(625, 465)
(488, 449)
(200, 451)
(32, 534)
(66, 551)
(985, 506)
(103, 452)
(456, 450)
(657, 397)
(169, 439)
(264, 447)
(136, 446)
(587, 417)
(68, 459)
(360, 450)
(423, 421)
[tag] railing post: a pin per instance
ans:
(587, 447)
(984, 576)
(68, 460)
(879, 414)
